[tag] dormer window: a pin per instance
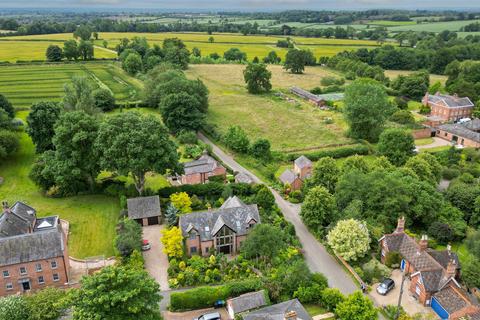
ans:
(192, 235)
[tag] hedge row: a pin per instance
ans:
(340, 152)
(211, 189)
(204, 297)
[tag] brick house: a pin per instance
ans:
(433, 274)
(222, 230)
(465, 134)
(302, 169)
(448, 108)
(198, 171)
(33, 251)
(145, 210)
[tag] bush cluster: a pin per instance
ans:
(340, 152)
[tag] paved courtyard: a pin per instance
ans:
(156, 262)
(409, 303)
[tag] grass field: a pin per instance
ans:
(392, 74)
(92, 217)
(390, 23)
(433, 26)
(12, 51)
(25, 84)
(288, 126)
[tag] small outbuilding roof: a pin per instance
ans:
(244, 178)
(247, 301)
(278, 311)
(288, 176)
(143, 207)
(204, 164)
(303, 162)
(464, 130)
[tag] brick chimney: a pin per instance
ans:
(400, 225)
(451, 269)
(423, 243)
(291, 315)
(5, 206)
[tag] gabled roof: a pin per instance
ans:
(278, 311)
(248, 301)
(143, 207)
(449, 101)
(462, 130)
(450, 300)
(204, 164)
(232, 202)
(34, 246)
(243, 178)
(303, 162)
(18, 219)
(305, 94)
(288, 176)
(443, 257)
(208, 223)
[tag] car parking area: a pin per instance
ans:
(409, 303)
(190, 315)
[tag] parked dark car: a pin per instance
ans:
(219, 304)
(385, 286)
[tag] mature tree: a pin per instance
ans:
(272, 58)
(103, 99)
(83, 32)
(403, 117)
(397, 145)
(78, 96)
(86, 50)
(129, 237)
(325, 173)
(462, 196)
(412, 86)
(41, 122)
(54, 53)
(75, 155)
(176, 53)
(331, 297)
(236, 139)
(264, 197)
(355, 163)
(46, 304)
(117, 292)
(291, 276)
(257, 77)
(473, 242)
(129, 143)
(13, 308)
(349, 239)
(181, 111)
(196, 52)
(264, 241)
(181, 201)
(423, 169)
(356, 307)
(471, 273)
(5, 120)
(132, 63)
(70, 50)
(318, 209)
(172, 242)
(235, 54)
(260, 149)
(7, 106)
(366, 109)
(9, 143)
(441, 232)
(296, 60)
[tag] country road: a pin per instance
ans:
(316, 256)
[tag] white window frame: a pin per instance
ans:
(23, 273)
(9, 286)
(54, 264)
(43, 280)
(38, 267)
(57, 276)
(6, 274)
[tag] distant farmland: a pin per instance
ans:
(26, 84)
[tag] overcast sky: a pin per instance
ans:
(264, 5)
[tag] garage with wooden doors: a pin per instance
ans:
(145, 210)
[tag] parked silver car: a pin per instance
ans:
(385, 286)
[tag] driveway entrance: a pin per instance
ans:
(156, 262)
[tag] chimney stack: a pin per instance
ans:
(449, 249)
(5, 206)
(423, 243)
(400, 225)
(291, 315)
(451, 269)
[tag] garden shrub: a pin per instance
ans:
(402, 117)
(295, 196)
(375, 271)
(187, 137)
(450, 173)
(393, 259)
(192, 151)
(330, 81)
(310, 294)
(340, 152)
(331, 297)
(204, 297)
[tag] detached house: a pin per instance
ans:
(33, 251)
(302, 169)
(433, 274)
(222, 230)
(448, 108)
(198, 171)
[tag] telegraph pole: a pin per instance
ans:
(399, 305)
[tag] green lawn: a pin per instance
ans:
(289, 126)
(315, 310)
(423, 142)
(92, 217)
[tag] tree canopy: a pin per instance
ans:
(257, 78)
(349, 239)
(318, 209)
(41, 121)
(397, 145)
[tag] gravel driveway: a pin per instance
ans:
(156, 262)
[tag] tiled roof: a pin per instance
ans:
(248, 301)
(444, 256)
(450, 300)
(288, 176)
(461, 130)
(19, 219)
(305, 94)
(143, 207)
(232, 202)
(432, 279)
(450, 101)
(303, 162)
(204, 164)
(278, 311)
(208, 223)
(243, 178)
